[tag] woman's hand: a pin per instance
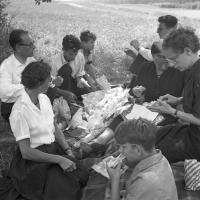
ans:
(58, 81)
(162, 107)
(66, 164)
(138, 91)
(168, 98)
(114, 173)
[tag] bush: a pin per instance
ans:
(4, 31)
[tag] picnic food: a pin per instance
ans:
(99, 110)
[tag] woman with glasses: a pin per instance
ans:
(180, 142)
(157, 78)
(43, 166)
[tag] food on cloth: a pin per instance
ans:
(99, 109)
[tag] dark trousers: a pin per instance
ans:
(6, 109)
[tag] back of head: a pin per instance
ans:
(15, 37)
(35, 74)
(141, 132)
(71, 42)
(169, 20)
(182, 38)
(87, 35)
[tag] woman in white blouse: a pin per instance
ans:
(43, 167)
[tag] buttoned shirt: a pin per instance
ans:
(10, 78)
(29, 122)
(77, 65)
(152, 179)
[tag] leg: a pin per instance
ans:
(170, 140)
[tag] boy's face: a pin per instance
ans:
(89, 45)
(132, 152)
(69, 54)
(182, 61)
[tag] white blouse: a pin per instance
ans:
(28, 121)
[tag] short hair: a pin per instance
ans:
(71, 42)
(15, 37)
(182, 38)
(87, 35)
(140, 131)
(169, 20)
(35, 74)
(156, 48)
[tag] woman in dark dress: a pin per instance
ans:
(158, 78)
(43, 167)
(180, 142)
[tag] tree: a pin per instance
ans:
(39, 1)
(4, 31)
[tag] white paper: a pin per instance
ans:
(141, 111)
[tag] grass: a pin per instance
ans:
(187, 4)
(114, 28)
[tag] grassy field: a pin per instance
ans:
(189, 4)
(49, 23)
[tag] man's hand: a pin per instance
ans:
(114, 173)
(162, 107)
(130, 53)
(135, 44)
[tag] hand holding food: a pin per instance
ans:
(138, 91)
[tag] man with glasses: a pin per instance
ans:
(11, 68)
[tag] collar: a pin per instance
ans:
(63, 59)
(192, 70)
(147, 163)
(15, 61)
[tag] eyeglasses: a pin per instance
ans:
(31, 44)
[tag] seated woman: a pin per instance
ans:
(180, 142)
(43, 166)
(158, 79)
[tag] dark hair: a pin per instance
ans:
(139, 131)
(35, 74)
(71, 42)
(156, 48)
(169, 20)
(15, 37)
(87, 35)
(180, 39)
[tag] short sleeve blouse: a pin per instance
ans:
(28, 121)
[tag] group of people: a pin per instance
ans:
(44, 166)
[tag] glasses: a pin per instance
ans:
(31, 44)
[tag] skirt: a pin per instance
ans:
(179, 142)
(42, 181)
